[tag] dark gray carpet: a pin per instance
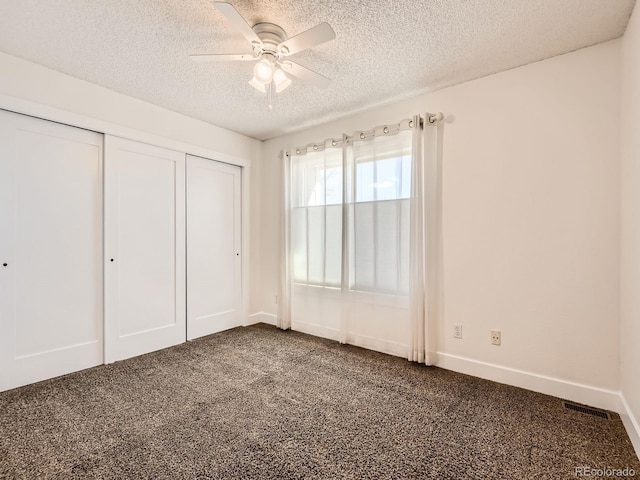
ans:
(260, 403)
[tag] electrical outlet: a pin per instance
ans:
(457, 331)
(496, 337)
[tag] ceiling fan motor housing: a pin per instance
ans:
(271, 36)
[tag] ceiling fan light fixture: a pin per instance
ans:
(263, 71)
(258, 85)
(280, 80)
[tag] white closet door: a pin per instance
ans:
(214, 261)
(50, 249)
(144, 248)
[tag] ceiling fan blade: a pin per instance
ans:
(305, 74)
(237, 21)
(309, 38)
(222, 58)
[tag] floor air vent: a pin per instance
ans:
(587, 410)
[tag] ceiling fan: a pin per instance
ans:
(271, 49)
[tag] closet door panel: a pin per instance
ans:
(213, 247)
(145, 281)
(51, 242)
(146, 257)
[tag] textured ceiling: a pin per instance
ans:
(384, 51)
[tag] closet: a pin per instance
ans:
(144, 248)
(50, 250)
(214, 296)
(108, 253)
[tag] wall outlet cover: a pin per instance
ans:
(457, 331)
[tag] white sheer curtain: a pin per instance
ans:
(417, 281)
(312, 257)
(377, 280)
(354, 240)
(284, 289)
(425, 281)
(432, 162)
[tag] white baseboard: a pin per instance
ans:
(630, 424)
(261, 317)
(316, 330)
(383, 346)
(359, 340)
(576, 392)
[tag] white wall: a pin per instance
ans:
(28, 81)
(630, 221)
(531, 218)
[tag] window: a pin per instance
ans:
(316, 219)
(378, 188)
(380, 237)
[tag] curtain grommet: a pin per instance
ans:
(362, 135)
(315, 147)
(334, 143)
(385, 130)
(435, 118)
